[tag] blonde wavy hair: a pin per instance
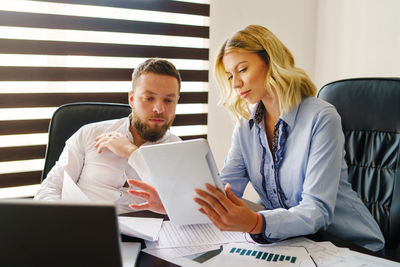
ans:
(291, 83)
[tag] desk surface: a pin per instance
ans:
(145, 259)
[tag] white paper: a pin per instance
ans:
(71, 192)
(129, 253)
(232, 256)
(172, 235)
(353, 258)
(172, 253)
(145, 228)
(140, 166)
(325, 254)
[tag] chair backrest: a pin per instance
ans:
(370, 112)
(67, 119)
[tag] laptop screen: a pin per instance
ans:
(34, 233)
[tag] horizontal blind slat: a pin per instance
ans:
(42, 125)
(190, 119)
(32, 20)
(16, 46)
(29, 100)
(188, 137)
(83, 74)
(154, 5)
(24, 126)
(20, 179)
(22, 153)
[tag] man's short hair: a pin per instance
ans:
(157, 66)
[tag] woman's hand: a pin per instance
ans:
(148, 193)
(228, 213)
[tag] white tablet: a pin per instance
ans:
(175, 170)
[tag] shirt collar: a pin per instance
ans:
(290, 117)
(256, 114)
(126, 126)
(259, 110)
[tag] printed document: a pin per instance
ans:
(327, 254)
(243, 254)
(172, 235)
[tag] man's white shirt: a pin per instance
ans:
(100, 176)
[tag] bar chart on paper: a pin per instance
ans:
(238, 254)
(260, 255)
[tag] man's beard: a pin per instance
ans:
(145, 131)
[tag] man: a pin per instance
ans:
(98, 156)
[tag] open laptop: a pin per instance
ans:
(34, 233)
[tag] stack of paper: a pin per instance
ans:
(294, 252)
(145, 228)
(178, 241)
(172, 236)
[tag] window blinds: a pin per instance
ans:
(63, 51)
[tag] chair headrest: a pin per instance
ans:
(366, 103)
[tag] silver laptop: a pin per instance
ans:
(34, 233)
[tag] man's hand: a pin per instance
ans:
(116, 143)
(228, 213)
(148, 193)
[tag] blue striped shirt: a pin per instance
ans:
(306, 188)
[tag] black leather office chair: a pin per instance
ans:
(370, 112)
(67, 119)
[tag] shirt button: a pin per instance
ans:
(272, 167)
(274, 191)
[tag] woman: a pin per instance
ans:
(289, 145)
